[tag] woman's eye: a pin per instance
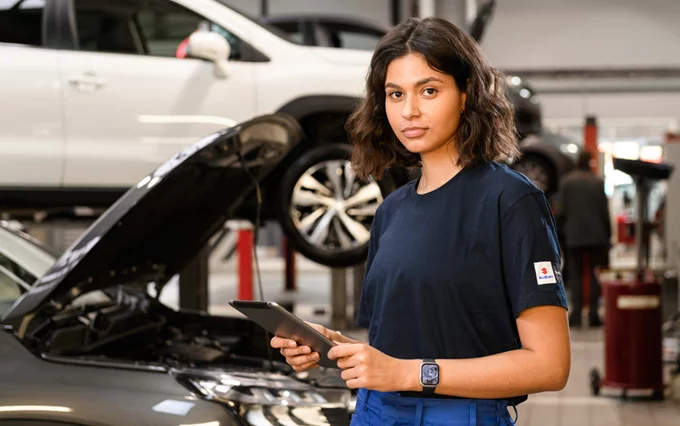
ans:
(395, 95)
(430, 91)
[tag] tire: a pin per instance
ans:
(314, 220)
(539, 170)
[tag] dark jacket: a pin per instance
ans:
(583, 210)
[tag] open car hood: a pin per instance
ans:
(161, 223)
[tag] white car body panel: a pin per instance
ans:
(31, 130)
(146, 109)
(99, 120)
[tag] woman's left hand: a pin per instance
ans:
(366, 367)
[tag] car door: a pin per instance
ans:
(132, 97)
(31, 131)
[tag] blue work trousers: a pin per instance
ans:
(390, 408)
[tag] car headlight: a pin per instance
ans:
(273, 399)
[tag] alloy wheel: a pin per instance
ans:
(332, 209)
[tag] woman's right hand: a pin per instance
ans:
(300, 357)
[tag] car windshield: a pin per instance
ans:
(28, 257)
(271, 28)
(22, 261)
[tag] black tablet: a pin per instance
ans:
(278, 321)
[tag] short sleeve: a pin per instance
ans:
(364, 314)
(531, 255)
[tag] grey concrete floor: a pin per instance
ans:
(572, 406)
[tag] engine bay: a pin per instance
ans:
(126, 325)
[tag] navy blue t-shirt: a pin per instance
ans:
(449, 271)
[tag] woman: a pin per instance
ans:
(462, 296)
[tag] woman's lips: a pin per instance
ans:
(414, 132)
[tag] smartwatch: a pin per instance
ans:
(429, 376)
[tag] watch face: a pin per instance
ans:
(429, 374)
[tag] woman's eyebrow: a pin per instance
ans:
(427, 80)
(419, 83)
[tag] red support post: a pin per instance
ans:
(245, 264)
(590, 145)
(291, 272)
(590, 141)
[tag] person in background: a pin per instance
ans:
(583, 211)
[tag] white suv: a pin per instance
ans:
(97, 93)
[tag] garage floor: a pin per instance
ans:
(572, 406)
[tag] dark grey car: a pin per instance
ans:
(88, 344)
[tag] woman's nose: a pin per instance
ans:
(410, 108)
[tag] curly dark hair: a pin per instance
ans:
(487, 128)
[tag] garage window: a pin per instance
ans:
(21, 22)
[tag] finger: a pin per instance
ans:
(349, 362)
(345, 350)
(303, 359)
(280, 342)
(315, 326)
(300, 350)
(352, 373)
(320, 328)
(355, 384)
(305, 367)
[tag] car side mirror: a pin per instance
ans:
(211, 47)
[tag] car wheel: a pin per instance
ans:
(539, 171)
(325, 210)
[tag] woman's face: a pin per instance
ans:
(423, 105)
